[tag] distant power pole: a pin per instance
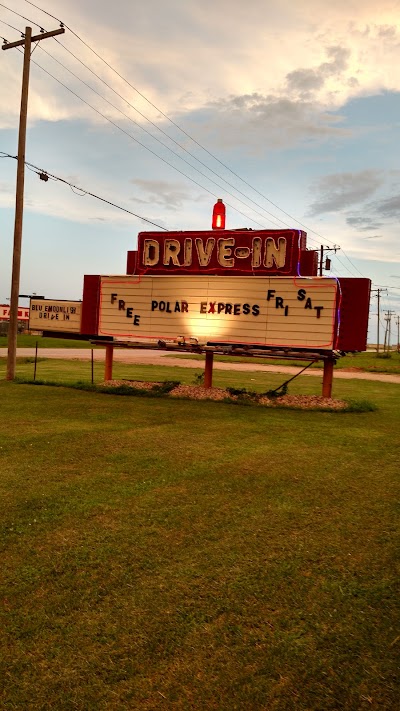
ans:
(322, 251)
(378, 296)
(26, 42)
(388, 319)
(398, 333)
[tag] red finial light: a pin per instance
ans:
(218, 217)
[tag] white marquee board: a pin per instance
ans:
(270, 311)
(50, 315)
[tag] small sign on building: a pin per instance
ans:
(50, 315)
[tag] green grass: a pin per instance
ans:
(369, 362)
(162, 554)
(71, 371)
(24, 340)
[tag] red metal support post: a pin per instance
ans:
(109, 362)
(327, 377)
(208, 370)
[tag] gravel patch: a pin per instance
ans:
(131, 384)
(305, 402)
(197, 392)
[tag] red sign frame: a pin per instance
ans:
(234, 252)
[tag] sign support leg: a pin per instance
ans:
(208, 370)
(327, 377)
(109, 362)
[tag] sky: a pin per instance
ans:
(288, 110)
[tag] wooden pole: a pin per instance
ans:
(327, 377)
(19, 211)
(208, 370)
(36, 350)
(109, 362)
(26, 42)
(321, 259)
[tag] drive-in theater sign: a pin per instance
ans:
(228, 290)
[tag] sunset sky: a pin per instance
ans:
(297, 103)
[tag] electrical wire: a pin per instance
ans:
(187, 135)
(170, 138)
(147, 119)
(40, 171)
(106, 118)
(22, 16)
(11, 28)
(271, 217)
(176, 125)
(142, 128)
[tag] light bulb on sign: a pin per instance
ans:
(218, 216)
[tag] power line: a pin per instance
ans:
(155, 138)
(146, 118)
(142, 144)
(40, 172)
(132, 137)
(188, 136)
(11, 28)
(23, 16)
(170, 138)
(178, 126)
(161, 142)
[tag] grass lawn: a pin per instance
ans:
(72, 371)
(161, 554)
(24, 340)
(368, 361)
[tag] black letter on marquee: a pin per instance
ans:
(318, 310)
(308, 304)
(129, 312)
(301, 294)
(278, 302)
(136, 320)
(177, 307)
(255, 310)
(286, 310)
(154, 305)
(113, 297)
(270, 294)
(121, 305)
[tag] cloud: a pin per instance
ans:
(169, 195)
(306, 82)
(260, 121)
(390, 207)
(341, 190)
(364, 224)
(195, 53)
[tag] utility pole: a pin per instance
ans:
(398, 333)
(26, 42)
(388, 319)
(378, 296)
(321, 257)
